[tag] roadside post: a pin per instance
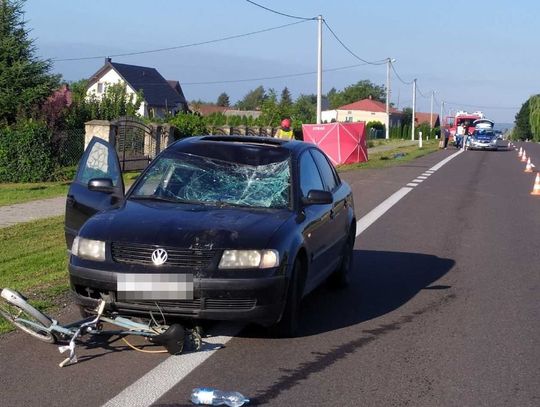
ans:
(419, 139)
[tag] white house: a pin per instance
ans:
(159, 95)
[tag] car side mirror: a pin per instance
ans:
(101, 185)
(318, 197)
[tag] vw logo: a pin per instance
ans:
(159, 256)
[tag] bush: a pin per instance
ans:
(189, 124)
(26, 153)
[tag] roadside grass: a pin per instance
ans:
(19, 193)
(11, 193)
(396, 156)
(33, 260)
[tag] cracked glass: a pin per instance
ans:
(201, 180)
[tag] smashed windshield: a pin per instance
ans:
(194, 179)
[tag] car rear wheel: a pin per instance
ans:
(288, 324)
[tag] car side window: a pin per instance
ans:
(309, 174)
(327, 172)
(100, 162)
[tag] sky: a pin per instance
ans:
(475, 55)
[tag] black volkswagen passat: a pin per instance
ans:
(216, 227)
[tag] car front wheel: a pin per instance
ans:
(340, 277)
(288, 324)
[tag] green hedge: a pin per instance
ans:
(26, 153)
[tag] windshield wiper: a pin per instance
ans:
(154, 198)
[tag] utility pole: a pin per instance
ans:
(388, 63)
(431, 113)
(413, 108)
(319, 69)
(441, 117)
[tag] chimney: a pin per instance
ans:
(107, 60)
(370, 97)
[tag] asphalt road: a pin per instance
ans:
(443, 310)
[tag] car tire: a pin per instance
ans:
(340, 277)
(287, 326)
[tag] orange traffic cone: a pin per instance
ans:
(536, 187)
(529, 166)
(524, 157)
(520, 152)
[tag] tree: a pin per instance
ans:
(25, 80)
(406, 116)
(270, 110)
(522, 129)
(223, 100)
(286, 99)
(253, 99)
(534, 116)
(360, 90)
(305, 109)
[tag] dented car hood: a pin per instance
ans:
(186, 225)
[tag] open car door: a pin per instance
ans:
(97, 186)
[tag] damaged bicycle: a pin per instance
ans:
(14, 307)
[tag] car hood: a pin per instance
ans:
(185, 225)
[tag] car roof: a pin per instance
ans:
(251, 150)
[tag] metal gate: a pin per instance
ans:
(135, 143)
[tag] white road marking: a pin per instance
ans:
(417, 180)
(423, 177)
(154, 384)
(443, 162)
(381, 209)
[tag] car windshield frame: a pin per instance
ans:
(186, 178)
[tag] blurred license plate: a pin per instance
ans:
(154, 286)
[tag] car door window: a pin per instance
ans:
(100, 162)
(309, 175)
(327, 172)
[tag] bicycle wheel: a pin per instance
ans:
(26, 318)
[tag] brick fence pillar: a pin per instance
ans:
(103, 129)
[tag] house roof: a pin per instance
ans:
(425, 117)
(368, 105)
(177, 88)
(156, 90)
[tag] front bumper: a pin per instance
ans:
(476, 145)
(259, 299)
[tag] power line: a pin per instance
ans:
(279, 12)
(231, 37)
(420, 92)
(399, 77)
(273, 77)
(380, 62)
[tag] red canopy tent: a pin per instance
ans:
(343, 143)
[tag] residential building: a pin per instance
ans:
(160, 97)
(427, 118)
(365, 110)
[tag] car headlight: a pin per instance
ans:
(88, 249)
(246, 259)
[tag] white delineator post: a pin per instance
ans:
(419, 139)
(388, 62)
(319, 68)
